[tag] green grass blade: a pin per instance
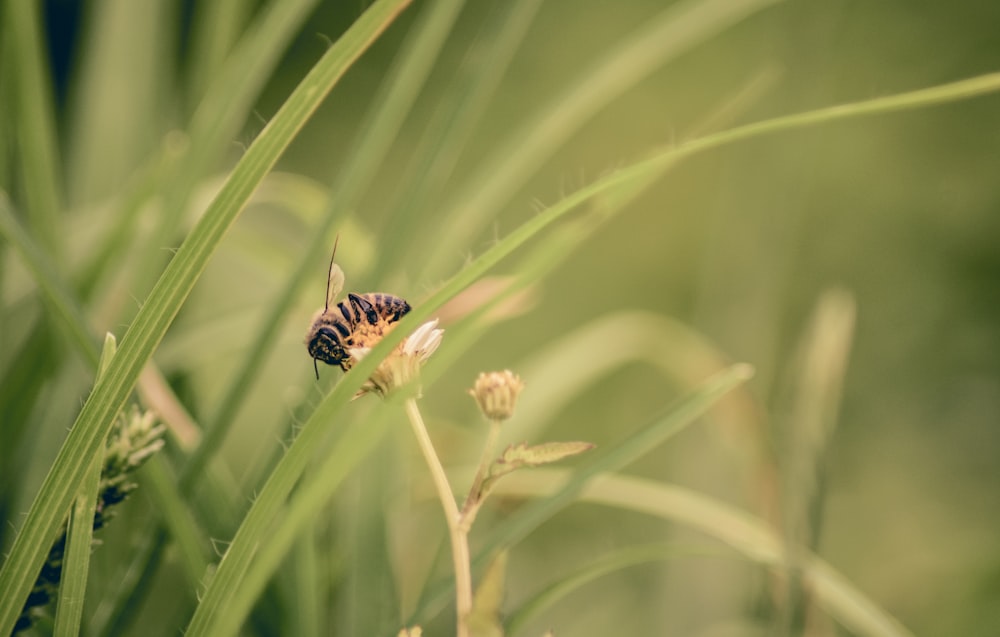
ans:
(76, 561)
(448, 131)
(35, 124)
(116, 611)
(120, 96)
(233, 590)
(747, 534)
(806, 416)
(80, 533)
(86, 438)
(171, 507)
(566, 366)
(678, 29)
(65, 308)
(600, 566)
(397, 94)
(922, 98)
(20, 387)
(214, 124)
(640, 171)
(307, 619)
(637, 335)
(215, 28)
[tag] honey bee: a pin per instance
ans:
(354, 322)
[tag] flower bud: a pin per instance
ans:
(496, 393)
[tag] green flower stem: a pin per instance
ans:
(473, 501)
(459, 537)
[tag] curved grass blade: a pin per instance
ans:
(448, 131)
(637, 334)
(749, 535)
(87, 436)
(187, 159)
(65, 307)
(678, 29)
(566, 366)
(240, 580)
(599, 567)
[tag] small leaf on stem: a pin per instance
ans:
(521, 455)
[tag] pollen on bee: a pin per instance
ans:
(366, 335)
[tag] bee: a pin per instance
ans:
(354, 322)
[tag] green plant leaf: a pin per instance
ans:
(521, 455)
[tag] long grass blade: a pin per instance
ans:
(216, 27)
(445, 136)
(745, 533)
(213, 126)
(87, 435)
(120, 96)
(64, 307)
(675, 31)
(80, 533)
(240, 580)
(35, 121)
(806, 416)
(603, 565)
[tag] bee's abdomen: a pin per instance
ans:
(391, 308)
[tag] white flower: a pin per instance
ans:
(402, 366)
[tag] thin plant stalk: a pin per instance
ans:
(458, 536)
(473, 501)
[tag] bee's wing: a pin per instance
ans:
(334, 284)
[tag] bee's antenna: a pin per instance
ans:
(316, 367)
(329, 270)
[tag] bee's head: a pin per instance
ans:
(326, 343)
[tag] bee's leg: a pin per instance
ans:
(362, 305)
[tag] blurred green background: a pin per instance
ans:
(737, 244)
